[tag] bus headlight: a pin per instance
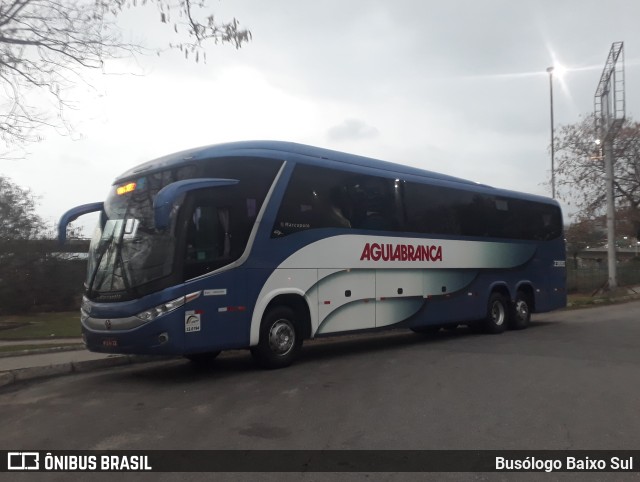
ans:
(85, 305)
(162, 309)
(168, 307)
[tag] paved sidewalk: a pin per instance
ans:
(47, 359)
(31, 364)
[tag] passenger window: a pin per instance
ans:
(373, 205)
(443, 210)
(208, 240)
(327, 198)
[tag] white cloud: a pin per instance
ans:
(352, 129)
(457, 87)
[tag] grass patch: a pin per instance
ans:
(18, 348)
(40, 325)
(581, 300)
(585, 301)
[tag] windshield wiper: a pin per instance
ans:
(125, 278)
(114, 262)
(94, 275)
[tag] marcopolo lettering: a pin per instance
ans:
(400, 252)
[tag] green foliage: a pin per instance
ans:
(584, 232)
(34, 275)
(40, 325)
(16, 349)
(17, 212)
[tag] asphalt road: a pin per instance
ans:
(571, 381)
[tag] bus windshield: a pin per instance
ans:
(129, 258)
(126, 251)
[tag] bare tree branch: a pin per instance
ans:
(580, 172)
(47, 45)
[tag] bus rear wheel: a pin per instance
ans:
(520, 312)
(495, 320)
(280, 339)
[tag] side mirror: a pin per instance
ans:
(72, 215)
(168, 196)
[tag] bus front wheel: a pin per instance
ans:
(497, 311)
(280, 339)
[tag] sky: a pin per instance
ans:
(458, 87)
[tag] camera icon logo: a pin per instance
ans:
(23, 461)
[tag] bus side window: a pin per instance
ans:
(373, 203)
(296, 216)
(435, 210)
(339, 208)
(318, 197)
(208, 243)
(315, 198)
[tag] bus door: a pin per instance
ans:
(217, 318)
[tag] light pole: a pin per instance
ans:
(553, 172)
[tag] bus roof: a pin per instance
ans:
(312, 155)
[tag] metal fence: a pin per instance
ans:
(585, 280)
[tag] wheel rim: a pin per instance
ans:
(522, 310)
(497, 313)
(282, 337)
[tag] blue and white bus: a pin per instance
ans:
(264, 244)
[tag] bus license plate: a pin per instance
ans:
(110, 343)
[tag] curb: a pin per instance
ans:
(39, 351)
(24, 374)
(604, 301)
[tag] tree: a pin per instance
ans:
(45, 45)
(33, 272)
(580, 172)
(18, 214)
(582, 233)
(20, 224)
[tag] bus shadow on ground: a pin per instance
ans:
(235, 362)
(349, 345)
(323, 348)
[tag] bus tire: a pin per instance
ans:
(495, 320)
(280, 339)
(520, 315)
(202, 358)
